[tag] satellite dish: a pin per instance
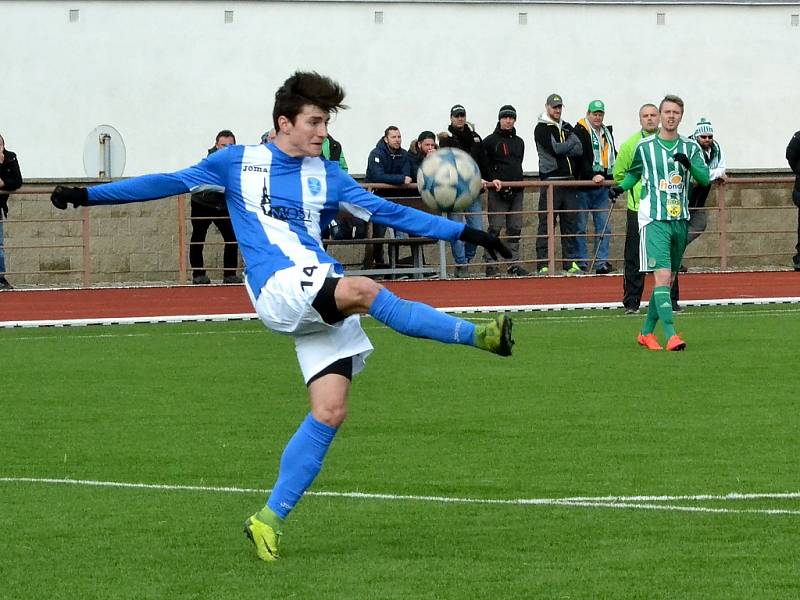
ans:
(104, 153)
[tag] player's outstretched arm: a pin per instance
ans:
(63, 196)
(208, 173)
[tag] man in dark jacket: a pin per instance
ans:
(557, 146)
(595, 165)
(388, 163)
(210, 207)
(10, 180)
(503, 151)
(463, 136)
(793, 156)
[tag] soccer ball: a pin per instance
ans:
(449, 180)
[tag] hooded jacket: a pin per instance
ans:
(503, 152)
(557, 146)
(387, 166)
(585, 163)
(12, 179)
(464, 139)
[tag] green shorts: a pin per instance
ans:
(661, 245)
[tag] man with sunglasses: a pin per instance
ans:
(715, 159)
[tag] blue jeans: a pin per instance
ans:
(596, 200)
(2, 253)
(463, 252)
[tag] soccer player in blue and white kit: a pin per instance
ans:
(280, 197)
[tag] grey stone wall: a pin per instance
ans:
(140, 243)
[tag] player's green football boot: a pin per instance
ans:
(495, 336)
(264, 537)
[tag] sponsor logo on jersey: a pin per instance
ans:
(673, 185)
(314, 186)
(254, 169)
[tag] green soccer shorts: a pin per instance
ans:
(661, 245)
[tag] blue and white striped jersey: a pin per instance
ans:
(278, 204)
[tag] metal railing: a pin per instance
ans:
(731, 221)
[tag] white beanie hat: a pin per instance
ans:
(703, 127)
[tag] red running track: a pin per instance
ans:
(43, 305)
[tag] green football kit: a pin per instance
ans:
(664, 215)
(665, 197)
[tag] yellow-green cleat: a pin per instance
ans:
(495, 336)
(264, 537)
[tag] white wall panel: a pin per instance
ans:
(168, 75)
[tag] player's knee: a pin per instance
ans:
(354, 295)
(332, 415)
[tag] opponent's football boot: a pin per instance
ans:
(675, 344)
(649, 341)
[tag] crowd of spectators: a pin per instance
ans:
(586, 152)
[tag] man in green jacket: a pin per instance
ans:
(667, 164)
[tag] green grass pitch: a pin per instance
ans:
(578, 411)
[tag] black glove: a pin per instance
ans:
(62, 196)
(680, 157)
(614, 192)
(492, 243)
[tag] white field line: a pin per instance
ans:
(451, 309)
(367, 324)
(628, 502)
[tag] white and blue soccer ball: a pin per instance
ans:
(449, 180)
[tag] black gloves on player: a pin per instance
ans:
(62, 196)
(680, 157)
(614, 192)
(492, 243)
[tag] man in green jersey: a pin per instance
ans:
(666, 163)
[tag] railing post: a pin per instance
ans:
(723, 238)
(551, 230)
(442, 259)
(181, 239)
(86, 235)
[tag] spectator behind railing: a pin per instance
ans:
(503, 152)
(793, 156)
(462, 135)
(209, 206)
(389, 163)
(595, 165)
(419, 150)
(558, 146)
(10, 180)
(715, 159)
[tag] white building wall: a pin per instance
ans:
(168, 75)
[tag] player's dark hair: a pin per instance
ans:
(2, 140)
(225, 133)
(303, 88)
(671, 98)
(390, 128)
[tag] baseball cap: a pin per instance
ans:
(596, 106)
(554, 100)
(458, 109)
(507, 111)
